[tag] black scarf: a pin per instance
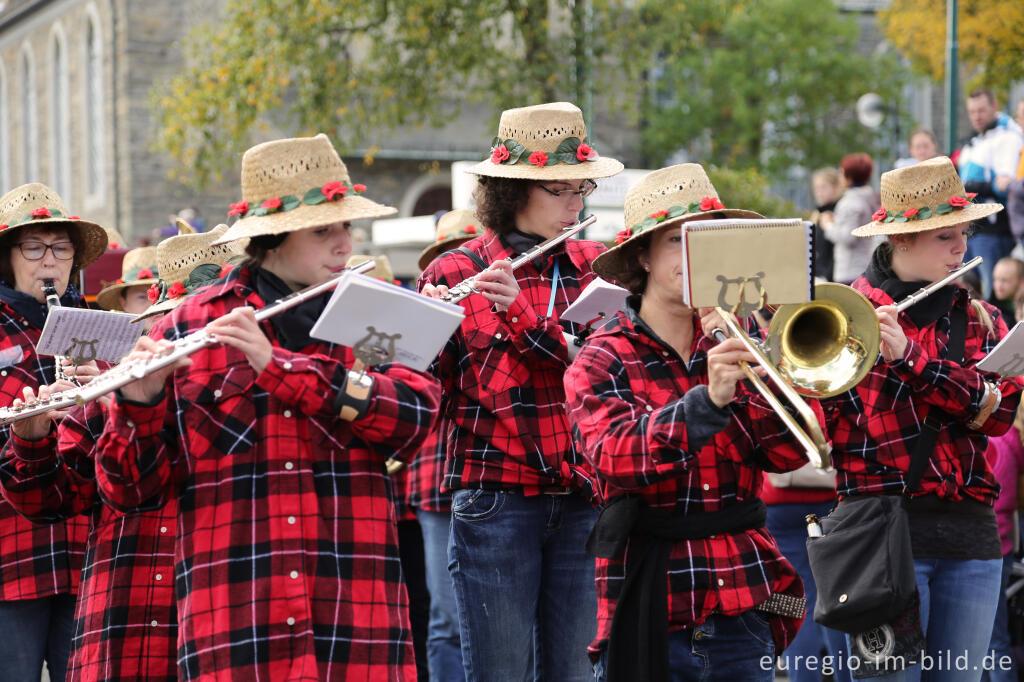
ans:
(31, 309)
(923, 313)
(293, 325)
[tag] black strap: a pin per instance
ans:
(473, 256)
(932, 422)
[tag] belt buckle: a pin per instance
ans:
(558, 490)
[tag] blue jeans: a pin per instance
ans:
(1003, 668)
(958, 607)
(802, 659)
(991, 247)
(32, 630)
(444, 653)
(518, 563)
(722, 648)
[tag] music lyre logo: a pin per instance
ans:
(82, 355)
(742, 306)
(376, 347)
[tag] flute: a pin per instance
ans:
(465, 288)
(926, 291)
(124, 374)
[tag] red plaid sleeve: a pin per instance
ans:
(644, 423)
(501, 374)
(426, 471)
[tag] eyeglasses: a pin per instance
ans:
(585, 191)
(37, 250)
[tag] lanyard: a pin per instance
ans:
(554, 289)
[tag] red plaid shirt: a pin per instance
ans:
(874, 426)
(501, 373)
(426, 473)
(125, 621)
(36, 560)
(624, 395)
(287, 562)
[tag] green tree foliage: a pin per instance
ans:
(742, 83)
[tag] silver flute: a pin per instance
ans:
(465, 288)
(926, 291)
(127, 372)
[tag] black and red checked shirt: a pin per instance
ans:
(287, 563)
(501, 373)
(625, 393)
(125, 622)
(36, 560)
(426, 473)
(874, 426)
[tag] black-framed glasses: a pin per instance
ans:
(585, 191)
(36, 250)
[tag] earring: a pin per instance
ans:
(647, 268)
(903, 248)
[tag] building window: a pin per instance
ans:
(5, 134)
(29, 124)
(94, 109)
(60, 133)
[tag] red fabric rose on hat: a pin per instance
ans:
(153, 293)
(334, 190)
(499, 154)
(538, 158)
(271, 204)
(659, 214)
(971, 195)
(113, 245)
(910, 213)
(880, 215)
(74, 217)
(175, 290)
(241, 208)
(358, 188)
(623, 235)
(585, 152)
(145, 273)
(41, 213)
(469, 229)
(710, 203)
(958, 202)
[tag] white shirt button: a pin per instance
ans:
(910, 363)
(291, 520)
(498, 335)
(163, 529)
(294, 575)
(721, 582)
(290, 621)
(515, 319)
(130, 423)
(287, 414)
(218, 393)
(3, 373)
(289, 466)
(287, 365)
(665, 353)
(154, 623)
(707, 486)
(159, 576)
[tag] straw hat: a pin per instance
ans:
(665, 197)
(137, 269)
(35, 205)
(544, 142)
(292, 184)
(381, 271)
(454, 228)
(188, 262)
(114, 239)
(925, 196)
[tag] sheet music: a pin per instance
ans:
(88, 334)
(601, 299)
(367, 310)
(1007, 358)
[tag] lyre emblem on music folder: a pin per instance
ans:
(82, 355)
(742, 306)
(376, 347)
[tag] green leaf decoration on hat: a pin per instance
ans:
(207, 273)
(313, 197)
(289, 202)
(515, 151)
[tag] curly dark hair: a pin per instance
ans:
(636, 280)
(498, 200)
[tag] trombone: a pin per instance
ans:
(817, 349)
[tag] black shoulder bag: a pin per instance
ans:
(863, 564)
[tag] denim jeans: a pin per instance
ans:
(518, 563)
(32, 630)
(1002, 670)
(721, 649)
(958, 607)
(991, 247)
(802, 659)
(444, 653)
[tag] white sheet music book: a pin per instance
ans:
(363, 307)
(1007, 358)
(600, 300)
(87, 335)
